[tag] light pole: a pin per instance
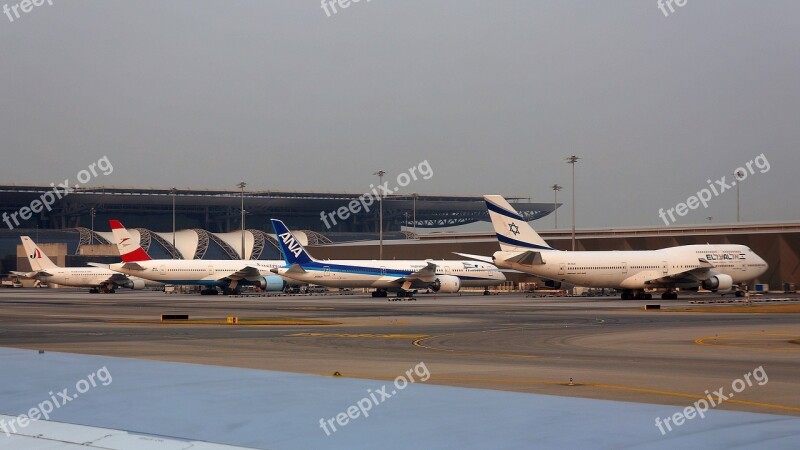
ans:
(738, 182)
(415, 214)
(405, 215)
(380, 175)
(173, 191)
(572, 160)
(241, 186)
(92, 214)
(555, 189)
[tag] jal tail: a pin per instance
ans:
(513, 232)
(37, 258)
(291, 249)
(129, 249)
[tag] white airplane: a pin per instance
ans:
(401, 276)
(44, 269)
(227, 274)
(716, 267)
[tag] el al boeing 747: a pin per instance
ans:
(716, 267)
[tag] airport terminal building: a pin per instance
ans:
(208, 226)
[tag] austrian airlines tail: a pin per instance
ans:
(129, 250)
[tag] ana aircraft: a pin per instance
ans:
(401, 276)
(716, 267)
(95, 278)
(229, 275)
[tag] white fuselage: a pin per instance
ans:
(637, 269)
(384, 274)
(82, 276)
(194, 271)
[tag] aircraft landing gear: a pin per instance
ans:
(669, 295)
(94, 291)
(209, 291)
(379, 293)
(486, 292)
(629, 294)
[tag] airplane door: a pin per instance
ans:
(326, 272)
(211, 270)
(163, 269)
(624, 267)
(561, 269)
(664, 268)
(383, 270)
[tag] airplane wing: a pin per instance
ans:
(128, 266)
(427, 273)
(116, 278)
(693, 275)
(421, 277)
(487, 259)
(246, 273)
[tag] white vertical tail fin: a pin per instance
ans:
(513, 232)
(37, 258)
(129, 250)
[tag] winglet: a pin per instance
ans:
(129, 250)
(291, 249)
(513, 231)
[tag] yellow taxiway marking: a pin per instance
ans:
(349, 335)
(421, 344)
(745, 339)
(582, 384)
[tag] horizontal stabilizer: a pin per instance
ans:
(132, 266)
(528, 258)
(296, 268)
(25, 274)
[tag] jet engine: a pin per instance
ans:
(447, 284)
(270, 283)
(135, 284)
(719, 282)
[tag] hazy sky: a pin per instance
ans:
(493, 94)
